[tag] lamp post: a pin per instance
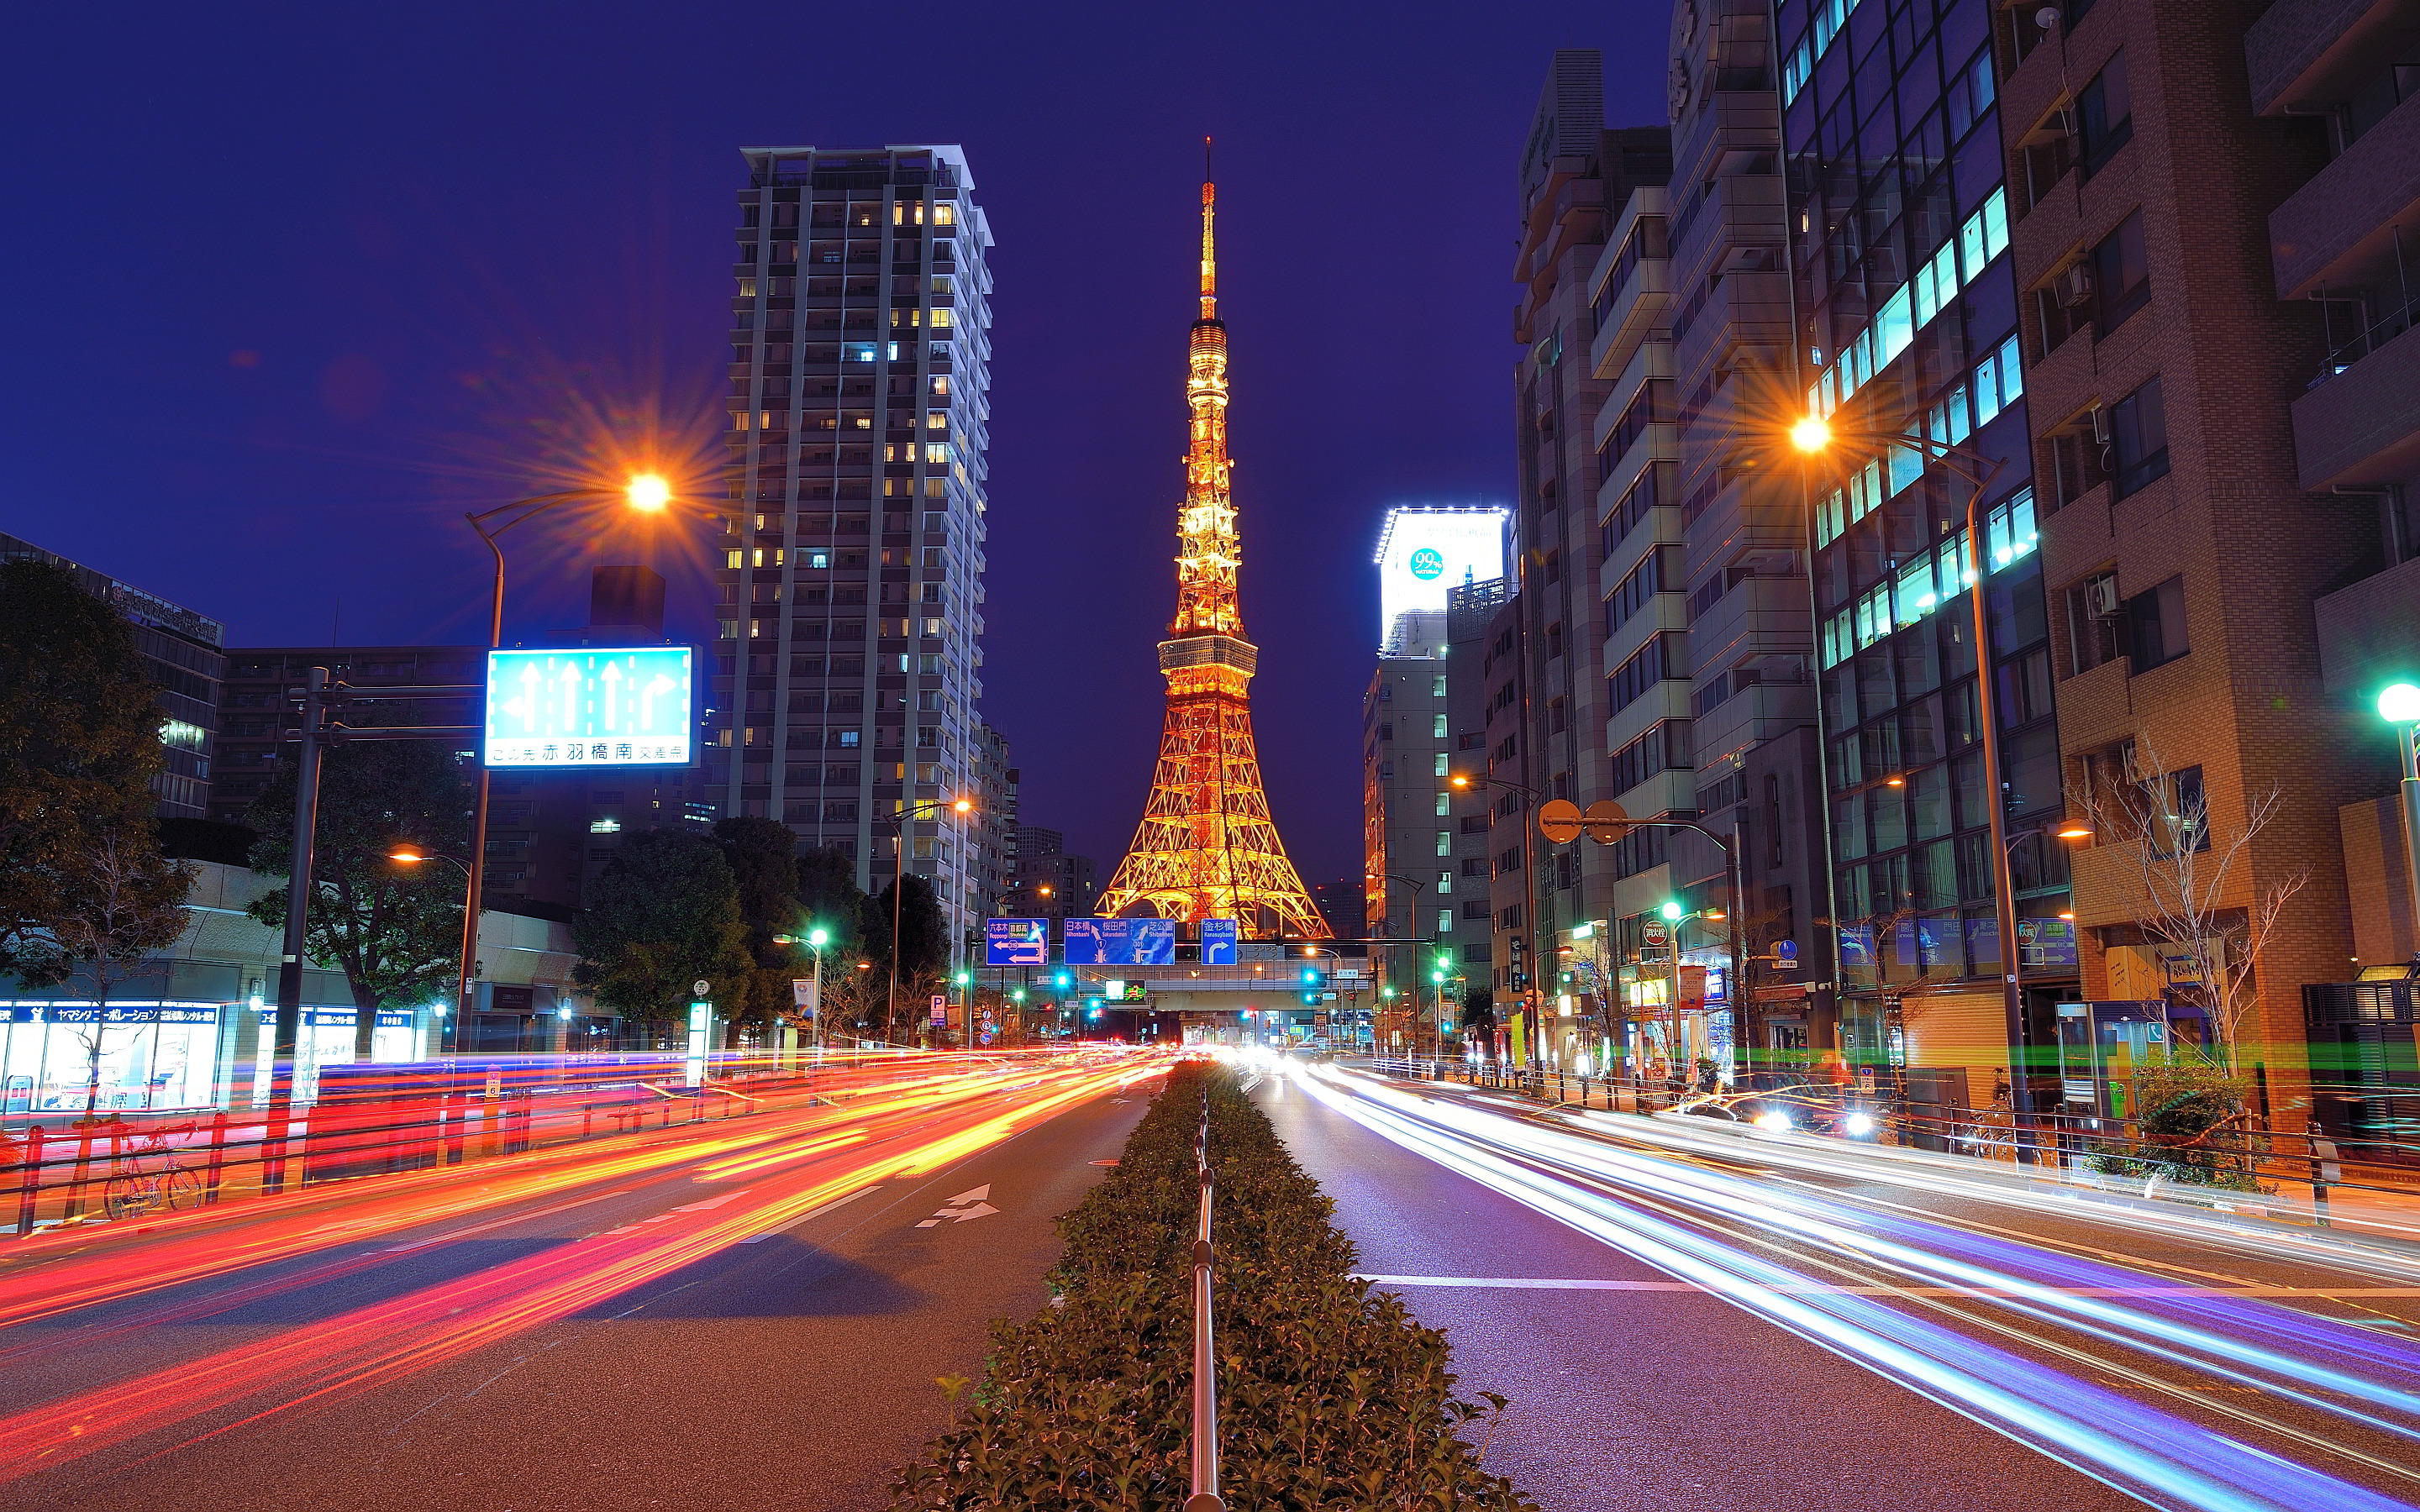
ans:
(2399, 705)
(647, 494)
(410, 854)
(1814, 436)
(1528, 937)
(898, 822)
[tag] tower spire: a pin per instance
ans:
(1206, 848)
(1209, 244)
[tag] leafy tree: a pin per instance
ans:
(394, 931)
(830, 899)
(664, 913)
(924, 951)
(78, 746)
(765, 870)
(1477, 1013)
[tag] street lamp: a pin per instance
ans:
(1813, 435)
(2399, 705)
(644, 493)
(908, 813)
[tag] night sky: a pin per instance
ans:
(289, 287)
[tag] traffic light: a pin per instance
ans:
(1060, 980)
(1016, 994)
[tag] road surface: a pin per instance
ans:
(736, 1314)
(1691, 1315)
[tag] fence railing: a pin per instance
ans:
(2047, 1141)
(381, 1119)
(1205, 1497)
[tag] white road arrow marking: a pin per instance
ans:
(978, 1195)
(981, 1210)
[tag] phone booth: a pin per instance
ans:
(2100, 1045)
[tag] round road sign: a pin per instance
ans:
(1559, 820)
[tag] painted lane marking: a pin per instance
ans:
(966, 1205)
(499, 1223)
(818, 1213)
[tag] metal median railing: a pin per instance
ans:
(1205, 1497)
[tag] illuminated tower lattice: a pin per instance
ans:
(1206, 848)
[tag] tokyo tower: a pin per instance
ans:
(1206, 848)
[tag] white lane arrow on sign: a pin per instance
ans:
(658, 685)
(571, 696)
(613, 678)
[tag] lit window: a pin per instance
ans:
(932, 627)
(607, 826)
(1436, 689)
(1436, 728)
(1445, 842)
(1441, 764)
(820, 560)
(857, 351)
(945, 213)
(1445, 922)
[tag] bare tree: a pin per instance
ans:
(2196, 897)
(117, 902)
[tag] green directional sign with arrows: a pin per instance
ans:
(630, 706)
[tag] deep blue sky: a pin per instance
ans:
(286, 288)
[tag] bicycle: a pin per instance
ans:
(133, 1190)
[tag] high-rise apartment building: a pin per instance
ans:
(1907, 312)
(181, 652)
(1721, 249)
(847, 675)
(1605, 658)
(1411, 849)
(2212, 210)
(1485, 697)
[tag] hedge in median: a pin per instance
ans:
(1329, 1398)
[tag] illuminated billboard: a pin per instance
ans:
(630, 706)
(1424, 552)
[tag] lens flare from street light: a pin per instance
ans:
(648, 492)
(964, 806)
(2399, 704)
(1810, 434)
(2074, 832)
(405, 856)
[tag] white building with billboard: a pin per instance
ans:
(1424, 549)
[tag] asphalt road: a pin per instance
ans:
(1636, 1384)
(731, 1323)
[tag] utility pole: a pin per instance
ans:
(298, 918)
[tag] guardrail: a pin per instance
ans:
(1205, 1497)
(2045, 1141)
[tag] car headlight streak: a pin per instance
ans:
(2141, 1449)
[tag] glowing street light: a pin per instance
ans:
(2399, 705)
(649, 493)
(1810, 434)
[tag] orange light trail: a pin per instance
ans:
(381, 1342)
